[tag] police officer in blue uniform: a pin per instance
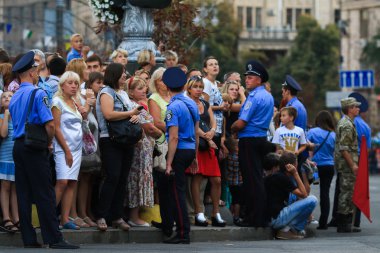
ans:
(252, 126)
(290, 88)
(363, 129)
(182, 122)
(32, 172)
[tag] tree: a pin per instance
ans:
(313, 61)
(371, 57)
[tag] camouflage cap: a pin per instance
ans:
(346, 102)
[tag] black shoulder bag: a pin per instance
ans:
(123, 132)
(35, 134)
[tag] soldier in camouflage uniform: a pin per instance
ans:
(346, 162)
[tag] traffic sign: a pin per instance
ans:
(333, 98)
(357, 79)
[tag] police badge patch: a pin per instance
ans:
(46, 101)
(169, 115)
(247, 105)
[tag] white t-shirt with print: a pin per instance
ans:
(289, 139)
(212, 90)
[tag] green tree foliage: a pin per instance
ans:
(313, 61)
(176, 29)
(371, 57)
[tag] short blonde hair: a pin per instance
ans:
(75, 35)
(119, 50)
(192, 80)
(157, 74)
(67, 76)
(171, 54)
(135, 83)
(227, 85)
(78, 66)
(144, 57)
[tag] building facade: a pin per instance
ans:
(270, 25)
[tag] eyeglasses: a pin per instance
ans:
(195, 78)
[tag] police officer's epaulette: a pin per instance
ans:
(252, 93)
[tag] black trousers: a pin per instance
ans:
(172, 190)
(251, 153)
(326, 174)
(34, 184)
(116, 161)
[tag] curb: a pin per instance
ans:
(153, 235)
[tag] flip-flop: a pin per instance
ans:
(70, 225)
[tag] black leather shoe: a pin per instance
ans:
(332, 223)
(35, 245)
(177, 240)
(216, 223)
(63, 244)
(156, 224)
(200, 223)
(322, 227)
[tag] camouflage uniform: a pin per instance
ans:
(346, 139)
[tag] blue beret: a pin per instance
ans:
(255, 68)
(359, 97)
(292, 83)
(24, 63)
(174, 77)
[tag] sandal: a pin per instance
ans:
(89, 221)
(17, 224)
(102, 225)
(78, 221)
(121, 224)
(70, 225)
(10, 228)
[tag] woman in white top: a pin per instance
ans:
(67, 143)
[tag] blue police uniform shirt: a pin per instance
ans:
(181, 112)
(362, 128)
(257, 111)
(73, 54)
(18, 108)
(301, 120)
(325, 154)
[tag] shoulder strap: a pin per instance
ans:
(121, 101)
(323, 142)
(31, 102)
(191, 113)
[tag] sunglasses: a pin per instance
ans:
(195, 78)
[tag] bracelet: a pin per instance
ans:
(213, 129)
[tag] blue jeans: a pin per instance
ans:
(295, 215)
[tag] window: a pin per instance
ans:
(364, 19)
(289, 17)
(337, 16)
(249, 17)
(308, 11)
(240, 14)
(258, 17)
(33, 13)
(298, 14)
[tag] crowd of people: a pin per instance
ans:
(191, 140)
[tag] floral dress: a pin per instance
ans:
(140, 179)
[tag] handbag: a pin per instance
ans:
(123, 132)
(159, 161)
(35, 134)
(89, 144)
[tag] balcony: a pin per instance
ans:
(269, 34)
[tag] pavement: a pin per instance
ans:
(228, 239)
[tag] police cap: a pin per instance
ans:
(24, 63)
(291, 83)
(255, 68)
(174, 77)
(359, 97)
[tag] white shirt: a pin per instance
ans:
(289, 139)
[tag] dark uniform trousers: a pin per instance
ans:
(172, 194)
(34, 184)
(252, 150)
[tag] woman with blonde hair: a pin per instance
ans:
(120, 56)
(67, 143)
(140, 180)
(146, 60)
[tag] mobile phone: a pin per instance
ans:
(140, 107)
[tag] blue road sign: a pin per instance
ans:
(357, 79)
